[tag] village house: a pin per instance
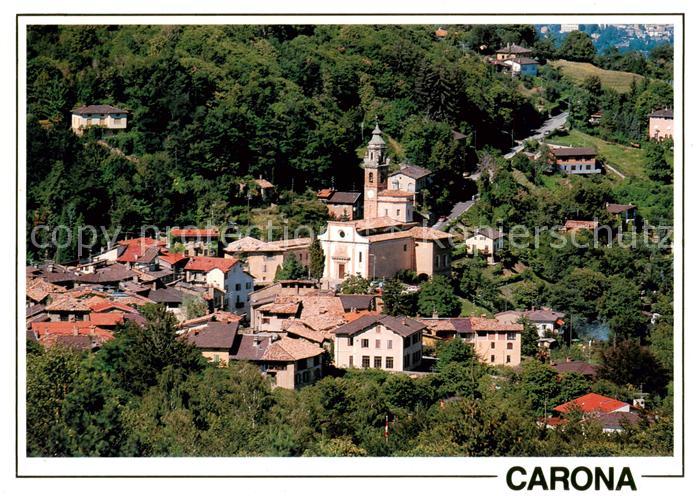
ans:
(342, 205)
(195, 242)
(410, 178)
(265, 187)
(171, 298)
(288, 363)
(103, 116)
(512, 51)
(214, 340)
(545, 319)
(486, 242)
(572, 225)
(224, 274)
(263, 259)
(576, 160)
(612, 415)
(379, 341)
(82, 335)
(494, 342)
(661, 124)
(522, 66)
(624, 213)
(67, 309)
(569, 366)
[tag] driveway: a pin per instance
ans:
(556, 122)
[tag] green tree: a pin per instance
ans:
(137, 355)
(529, 338)
(194, 306)
(355, 285)
(540, 385)
(621, 307)
(437, 296)
(577, 46)
(396, 300)
(316, 259)
(655, 163)
(290, 269)
(627, 363)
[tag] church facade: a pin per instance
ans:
(387, 240)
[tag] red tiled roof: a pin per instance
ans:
(80, 328)
(484, 324)
(102, 306)
(172, 258)
(206, 264)
(201, 233)
(325, 193)
(592, 403)
(109, 319)
(580, 224)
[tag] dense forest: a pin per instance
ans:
(211, 106)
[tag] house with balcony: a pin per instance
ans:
(380, 342)
(103, 116)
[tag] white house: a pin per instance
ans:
(104, 116)
(545, 319)
(224, 274)
(486, 241)
(523, 66)
(380, 342)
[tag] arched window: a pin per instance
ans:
(371, 177)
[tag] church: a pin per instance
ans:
(387, 240)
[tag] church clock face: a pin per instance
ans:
(370, 194)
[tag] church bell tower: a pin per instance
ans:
(376, 167)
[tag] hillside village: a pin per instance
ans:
(393, 273)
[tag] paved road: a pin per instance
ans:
(547, 127)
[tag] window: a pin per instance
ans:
(360, 257)
(238, 287)
(493, 345)
(416, 338)
(377, 343)
(371, 174)
(493, 358)
(350, 364)
(378, 330)
(406, 342)
(350, 341)
(416, 357)
(509, 346)
(266, 320)
(386, 212)
(482, 334)
(437, 261)
(405, 247)
(389, 362)
(317, 361)
(378, 362)
(446, 260)
(406, 361)
(365, 362)
(398, 211)
(365, 343)
(248, 285)
(511, 336)
(305, 376)
(389, 344)
(264, 268)
(507, 358)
